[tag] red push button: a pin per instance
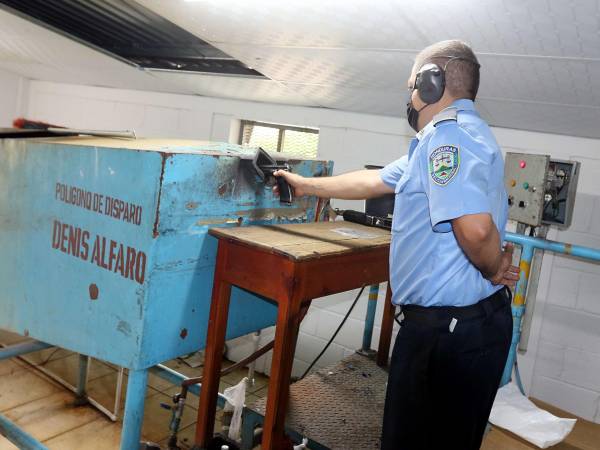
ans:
(522, 164)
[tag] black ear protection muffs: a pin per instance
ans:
(430, 81)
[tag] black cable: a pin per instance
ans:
(48, 358)
(555, 201)
(334, 334)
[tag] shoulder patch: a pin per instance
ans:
(444, 162)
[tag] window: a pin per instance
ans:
(295, 141)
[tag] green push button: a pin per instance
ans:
(526, 185)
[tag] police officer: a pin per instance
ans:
(448, 269)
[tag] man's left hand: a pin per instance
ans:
(507, 274)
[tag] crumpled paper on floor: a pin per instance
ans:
(516, 413)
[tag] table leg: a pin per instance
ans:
(286, 333)
(387, 325)
(215, 340)
(134, 409)
(82, 380)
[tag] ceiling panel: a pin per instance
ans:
(372, 101)
(299, 23)
(546, 80)
(533, 27)
(568, 82)
(234, 87)
(556, 119)
(536, 27)
(375, 69)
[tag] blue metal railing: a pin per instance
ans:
(22, 348)
(370, 318)
(528, 245)
(9, 429)
(18, 436)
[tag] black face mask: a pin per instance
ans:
(412, 115)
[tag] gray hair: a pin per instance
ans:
(462, 67)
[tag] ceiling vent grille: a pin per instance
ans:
(131, 32)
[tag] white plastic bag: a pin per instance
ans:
(514, 412)
(235, 396)
(301, 446)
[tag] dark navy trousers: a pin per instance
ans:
(442, 383)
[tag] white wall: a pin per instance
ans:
(562, 366)
(13, 94)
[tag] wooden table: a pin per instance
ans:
(290, 264)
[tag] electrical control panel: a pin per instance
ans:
(525, 180)
(540, 190)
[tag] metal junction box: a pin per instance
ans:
(525, 179)
(540, 190)
(105, 248)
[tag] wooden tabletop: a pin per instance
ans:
(308, 240)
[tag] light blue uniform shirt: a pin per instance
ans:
(454, 168)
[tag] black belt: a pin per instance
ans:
(443, 316)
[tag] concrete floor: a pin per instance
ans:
(45, 409)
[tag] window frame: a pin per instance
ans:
(282, 129)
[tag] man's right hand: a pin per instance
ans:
(294, 180)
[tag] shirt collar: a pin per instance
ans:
(425, 131)
(462, 104)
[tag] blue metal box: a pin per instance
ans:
(105, 245)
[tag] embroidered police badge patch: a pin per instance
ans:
(443, 164)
